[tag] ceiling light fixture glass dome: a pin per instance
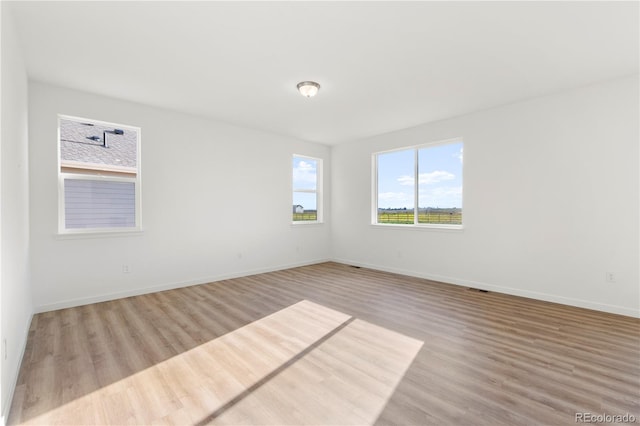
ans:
(308, 88)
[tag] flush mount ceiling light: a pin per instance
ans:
(308, 88)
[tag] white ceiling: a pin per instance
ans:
(382, 66)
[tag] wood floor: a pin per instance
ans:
(327, 344)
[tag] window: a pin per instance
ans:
(420, 185)
(99, 176)
(307, 189)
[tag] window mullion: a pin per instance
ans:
(416, 180)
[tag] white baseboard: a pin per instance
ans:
(167, 286)
(6, 404)
(614, 309)
(587, 304)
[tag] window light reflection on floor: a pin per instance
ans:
(303, 364)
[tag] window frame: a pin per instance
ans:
(318, 191)
(99, 175)
(416, 188)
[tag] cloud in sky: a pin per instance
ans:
(305, 166)
(304, 172)
(427, 178)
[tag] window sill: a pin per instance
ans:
(307, 223)
(410, 227)
(78, 235)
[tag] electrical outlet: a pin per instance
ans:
(125, 269)
(610, 277)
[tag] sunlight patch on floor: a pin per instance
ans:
(348, 379)
(305, 364)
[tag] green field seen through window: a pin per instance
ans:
(436, 217)
(306, 216)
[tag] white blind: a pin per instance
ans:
(99, 204)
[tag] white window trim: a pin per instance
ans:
(318, 191)
(88, 232)
(374, 189)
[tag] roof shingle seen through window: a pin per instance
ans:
(76, 144)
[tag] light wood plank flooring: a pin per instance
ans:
(327, 344)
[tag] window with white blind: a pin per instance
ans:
(99, 176)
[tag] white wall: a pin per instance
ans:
(551, 201)
(15, 292)
(216, 203)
